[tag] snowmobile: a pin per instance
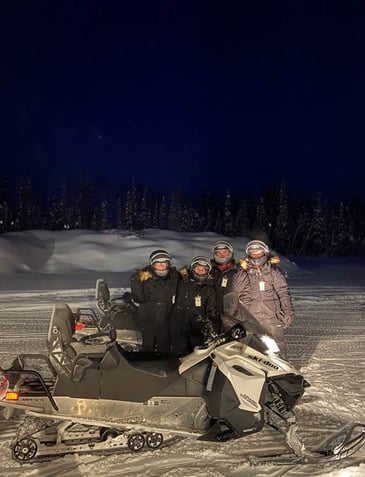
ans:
(90, 394)
(119, 315)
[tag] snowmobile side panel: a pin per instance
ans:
(223, 405)
(179, 413)
(195, 378)
(246, 378)
(192, 359)
(88, 386)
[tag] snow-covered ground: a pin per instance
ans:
(326, 342)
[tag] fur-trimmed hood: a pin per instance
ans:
(272, 260)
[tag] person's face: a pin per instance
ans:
(223, 253)
(161, 266)
(256, 254)
(200, 270)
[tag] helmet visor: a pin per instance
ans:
(256, 253)
(161, 266)
(201, 270)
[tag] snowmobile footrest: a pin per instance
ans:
(218, 432)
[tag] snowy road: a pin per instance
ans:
(327, 342)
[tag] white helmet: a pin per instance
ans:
(257, 252)
(199, 262)
(160, 256)
(222, 245)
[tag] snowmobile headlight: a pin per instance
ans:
(270, 344)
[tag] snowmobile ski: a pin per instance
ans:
(341, 445)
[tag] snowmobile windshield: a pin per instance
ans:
(236, 313)
(265, 344)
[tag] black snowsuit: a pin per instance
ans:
(194, 313)
(265, 292)
(223, 279)
(155, 296)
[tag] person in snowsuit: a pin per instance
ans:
(224, 267)
(262, 287)
(194, 314)
(153, 288)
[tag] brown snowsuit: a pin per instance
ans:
(265, 292)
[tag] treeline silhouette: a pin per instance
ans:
(292, 226)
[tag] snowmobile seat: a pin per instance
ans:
(102, 296)
(119, 316)
(158, 364)
(111, 358)
(119, 311)
(91, 328)
(134, 376)
(71, 357)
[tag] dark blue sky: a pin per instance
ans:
(189, 94)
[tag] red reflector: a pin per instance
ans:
(79, 326)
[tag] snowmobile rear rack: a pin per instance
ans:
(23, 372)
(19, 362)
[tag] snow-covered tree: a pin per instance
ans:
(4, 209)
(145, 211)
(86, 202)
(24, 216)
(210, 211)
(155, 216)
(228, 223)
(130, 210)
(241, 218)
(341, 230)
(316, 239)
(175, 216)
(120, 216)
(281, 233)
(260, 228)
(162, 214)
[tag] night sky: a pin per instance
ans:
(189, 94)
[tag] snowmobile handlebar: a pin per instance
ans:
(235, 333)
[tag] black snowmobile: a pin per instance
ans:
(92, 394)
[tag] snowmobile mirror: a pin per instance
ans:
(238, 332)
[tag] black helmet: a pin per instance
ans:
(197, 273)
(257, 252)
(160, 256)
(222, 245)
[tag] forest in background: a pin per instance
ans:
(292, 226)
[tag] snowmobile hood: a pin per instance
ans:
(198, 355)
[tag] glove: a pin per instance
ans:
(127, 297)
